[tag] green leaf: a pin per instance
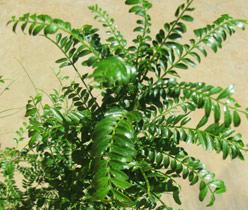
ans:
(208, 107)
(225, 149)
(203, 140)
(196, 56)
(112, 71)
(14, 26)
(227, 116)
(174, 36)
(236, 119)
(212, 200)
(131, 2)
(203, 191)
(23, 26)
(181, 66)
(176, 197)
(202, 122)
(61, 60)
(124, 153)
(51, 29)
(58, 37)
(135, 9)
(101, 194)
(217, 112)
(31, 28)
(121, 183)
(138, 29)
(167, 26)
(57, 115)
(212, 44)
(123, 199)
(226, 93)
(219, 186)
(173, 164)
(187, 18)
(38, 29)
(166, 162)
(113, 141)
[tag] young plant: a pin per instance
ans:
(122, 150)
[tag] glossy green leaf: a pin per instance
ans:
(38, 29)
(176, 197)
(208, 107)
(225, 149)
(125, 200)
(131, 2)
(227, 116)
(51, 29)
(226, 93)
(112, 71)
(236, 119)
(202, 122)
(108, 135)
(181, 66)
(217, 112)
(203, 191)
(187, 18)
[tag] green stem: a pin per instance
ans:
(31, 80)
(6, 88)
(159, 199)
(147, 182)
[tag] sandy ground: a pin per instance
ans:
(229, 66)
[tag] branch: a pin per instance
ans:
(75, 69)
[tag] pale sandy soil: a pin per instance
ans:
(229, 66)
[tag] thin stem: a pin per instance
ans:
(159, 199)
(6, 88)
(61, 85)
(147, 182)
(28, 75)
(7, 115)
(57, 77)
(31, 80)
(6, 110)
